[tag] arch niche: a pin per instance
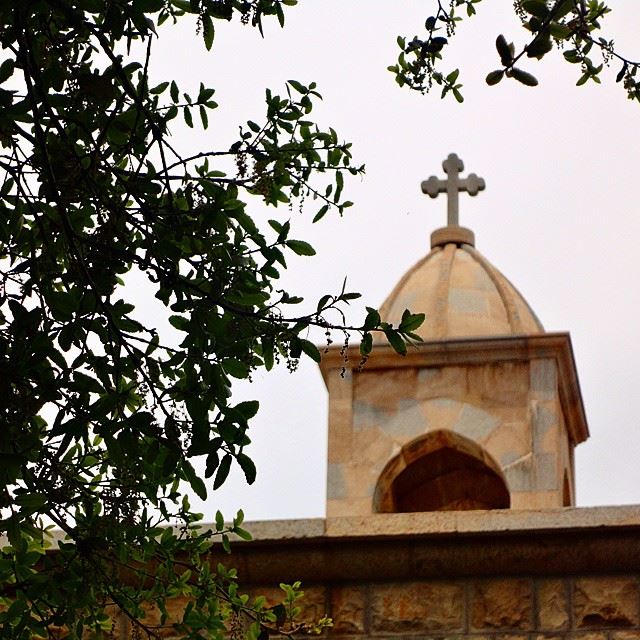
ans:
(441, 471)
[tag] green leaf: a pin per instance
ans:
(179, 322)
(235, 368)
(524, 77)
(300, 88)
(223, 471)
(372, 320)
(504, 51)
(158, 89)
(6, 70)
(536, 8)
(301, 247)
(366, 345)
(188, 118)
(242, 533)
(396, 341)
(411, 321)
(204, 117)
(559, 31)
(248, 467)
(540, 46)
(248, 409)
(194, 480)
(32, 501)
(321, 213)
(494, 77)
(208, 30)
(311, 350)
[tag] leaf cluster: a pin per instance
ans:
(107, 414)
(569, 25)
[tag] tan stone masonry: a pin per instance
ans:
(560, 574)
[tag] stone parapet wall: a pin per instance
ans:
(607, 606)
(589, 607)
(566, 574)
(523, 608)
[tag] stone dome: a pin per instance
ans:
(461, 293)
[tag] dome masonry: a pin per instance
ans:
(461, 293)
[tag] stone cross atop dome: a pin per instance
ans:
(452, 186)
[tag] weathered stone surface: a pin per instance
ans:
(475, 423)
(503, 384)
(383, 390)
(348, 610)
(543, 378)
(553, 605)
(606, 602)
(625, 635)
(502, 604)
(519, 474)
(591, 635)
(313, 604)
(438, 382)
(417, 607)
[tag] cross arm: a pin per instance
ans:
(433, 186)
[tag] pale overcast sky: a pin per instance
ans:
(558, 217)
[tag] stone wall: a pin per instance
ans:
(577, 608)
(565, 574)
(588, 607)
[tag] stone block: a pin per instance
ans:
(313, 604)
(504, 384)
(553, 605)
(417, 607)
(441, 382)
(406, 423)
(502, 604)
(468, 301)
(508, 442)
(340, 428)
(543, 379)
(606, 602)
(519, 474)
(475, 423)
(349, 507)
(384, 389)
(626, 635)
(348, 605)
(536, 499)
(544, 424)
(546, 466)
(587, 635)
(442, 412)
(335, 481)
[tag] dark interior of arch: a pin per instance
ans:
(446, 480)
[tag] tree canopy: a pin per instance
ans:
(104, 415)
(574, 27)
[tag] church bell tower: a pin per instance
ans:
(483, 414)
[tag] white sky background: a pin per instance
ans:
(559, 215)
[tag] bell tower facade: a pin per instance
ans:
(483, 414)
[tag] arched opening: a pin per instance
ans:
(441, 471)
